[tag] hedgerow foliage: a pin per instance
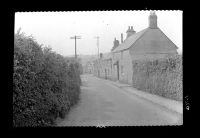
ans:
(45, 84)
(162, 77)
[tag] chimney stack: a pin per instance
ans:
(122, 38)
(115, 44)
(152, 20)
(130, 31)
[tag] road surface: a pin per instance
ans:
(103, 104)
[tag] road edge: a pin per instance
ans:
(164, 102)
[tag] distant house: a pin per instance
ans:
(103, 66)
(150, 43)
(88, 68)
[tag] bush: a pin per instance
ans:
(45, 84)
(162, 77)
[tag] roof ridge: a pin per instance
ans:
(129, 39)
(145, 30)
(138, 32)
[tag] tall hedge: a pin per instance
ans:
(161, 77)
(45, 84)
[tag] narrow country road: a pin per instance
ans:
(102, 103)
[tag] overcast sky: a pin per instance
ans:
(56, 28)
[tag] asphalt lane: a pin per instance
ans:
(103, 104)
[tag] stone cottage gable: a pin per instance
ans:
(153, 41)
(129, 41)
(148, 44)
(172, 44)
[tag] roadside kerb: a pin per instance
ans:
(170, 104)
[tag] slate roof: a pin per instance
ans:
(129, 41)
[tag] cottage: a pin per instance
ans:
(150, 43)
(88, 68)
(103, 66)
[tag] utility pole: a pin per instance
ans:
(97, 37)
(75, 37)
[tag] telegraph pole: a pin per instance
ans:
(75, 37)
(97, 37)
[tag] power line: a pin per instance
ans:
(75, 37)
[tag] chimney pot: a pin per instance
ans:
(130, 31)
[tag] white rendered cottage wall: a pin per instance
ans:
(126, 62)
(125, 66)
